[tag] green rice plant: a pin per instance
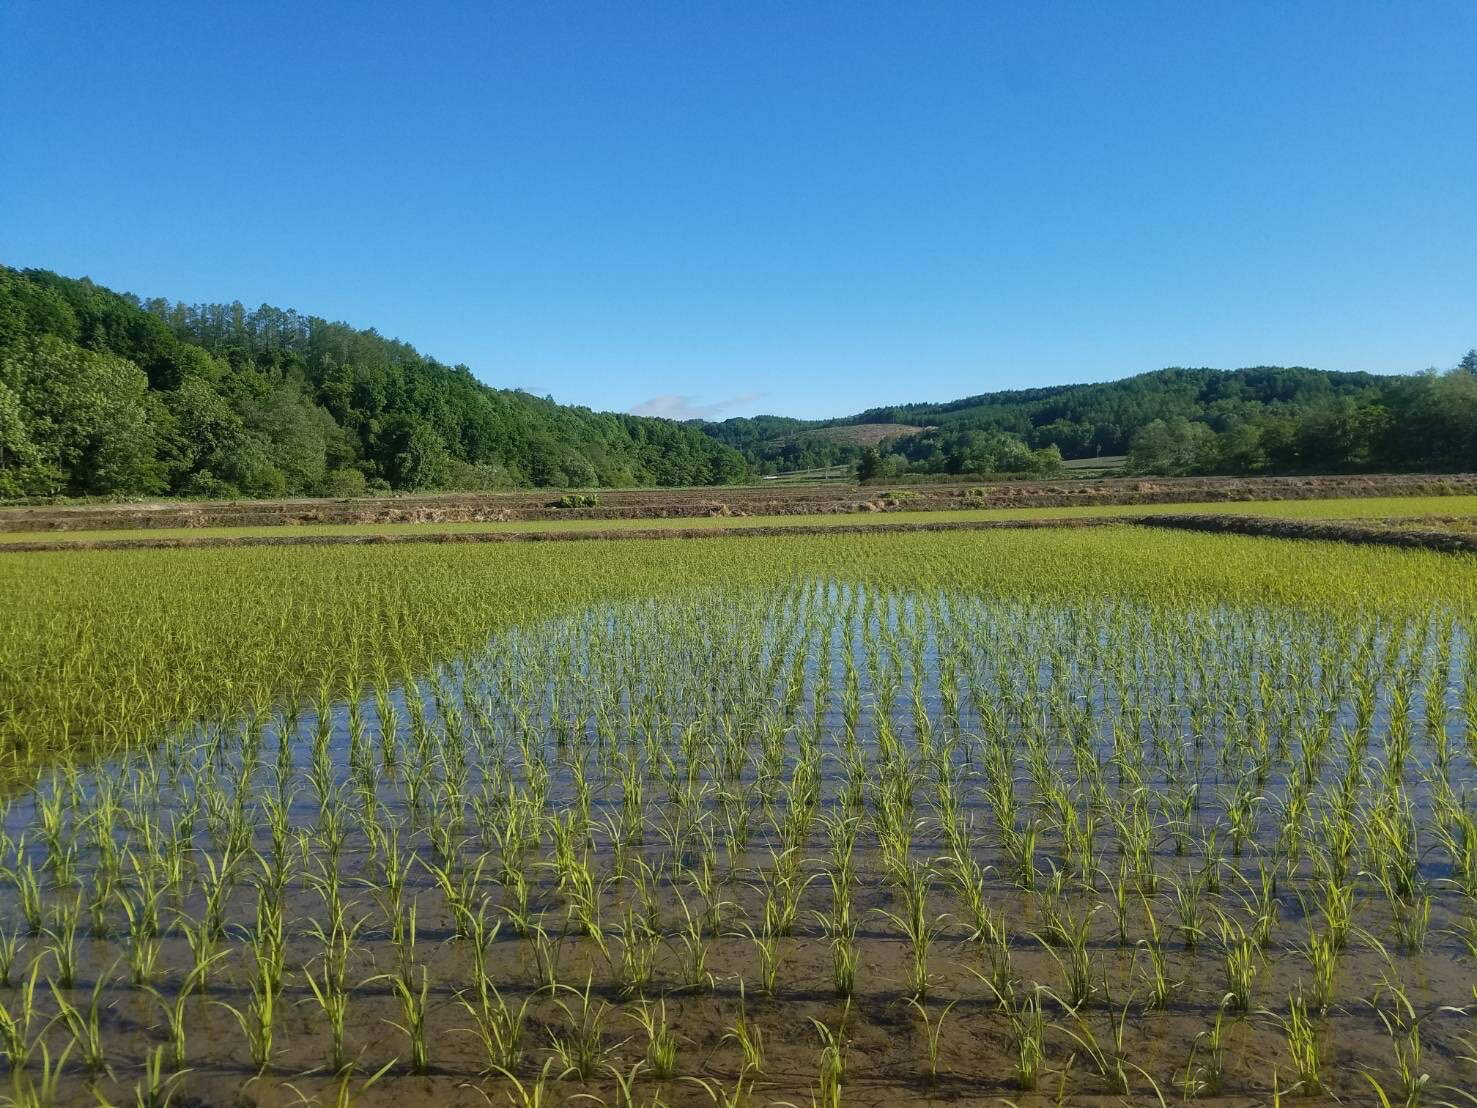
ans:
(1051, 907)
(176, 1009)
(1303, 1046)
(916, 926)
(157, 1086)
(218, 881)
(498, 1026)
(16, 1022)
(1120, 900)
(544, 957)
(1075, 961)
(994, 942)
(625, 1087)
(63, 947)
(845, 956)
(581, 1049)
(44, 1089)
(696, 975)
(667, 716)
(1241, 815)
(103, 892)
(28, 894)
(534, 1093)
(1112, 1061)
(748, 1036)
(1189, 903)
(204, 950)
(414, 1003)
(933, 1029)
(831, 1078)
(1404, 1028)
(516, 902)
(1205, 1068)
(1265, 906)
(1213, 863)
(267, 944)
(333, 1001)
(404, 931)
(721, 1097)
(1391, 838)
(771, 954)
(1021, 848)
(1384, 1100)
(639, 946)
(1323, 953)
(10, 952)
(143, 957)
(85, 1026)
(1410, 921)
(1334, 903)
(1027, 1036)
(1455, 827)
(394, 872)
(1465, 932)
(661, 1042)
(1159, 988)
(258, 1021)
(583, 904)
(782, 890)
(1241, 960)
(705, 882)
(967, 877)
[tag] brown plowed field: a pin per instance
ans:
(729, 501)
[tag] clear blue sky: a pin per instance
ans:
(794, 207)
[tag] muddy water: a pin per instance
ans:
(597, 819)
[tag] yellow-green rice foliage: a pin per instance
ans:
(110, 646)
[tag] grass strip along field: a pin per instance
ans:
(1433, 535)
(1015, 815)
(1341, 508)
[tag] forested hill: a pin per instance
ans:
(1170, 421)
(102, 393)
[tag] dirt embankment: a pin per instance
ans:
(1446, 542)
(287, 538)
(532, 506)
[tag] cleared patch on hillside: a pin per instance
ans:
(855, 434)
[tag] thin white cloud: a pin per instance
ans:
(687, 407)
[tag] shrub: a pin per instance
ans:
(345, 482)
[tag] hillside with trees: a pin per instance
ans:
(105, 394)
(1173, 421)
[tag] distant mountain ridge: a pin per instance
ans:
(1298, 417)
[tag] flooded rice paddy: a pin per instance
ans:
(824, 843)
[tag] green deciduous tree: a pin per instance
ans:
(90, 416)
(1173, 447)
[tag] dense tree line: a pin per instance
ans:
(1266, 419)
(104, 394)
(1426, 421)
(780, 444)
(958, 453)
